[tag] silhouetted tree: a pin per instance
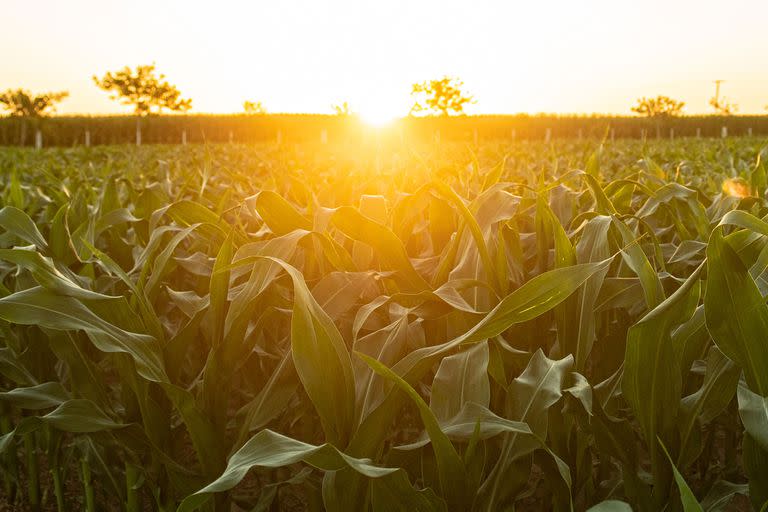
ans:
(722, 106)
(22, 104)
(143, 89)
(254, 107)
(342, 109)
(660, 106)
(440, 97)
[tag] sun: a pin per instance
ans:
(377, 115)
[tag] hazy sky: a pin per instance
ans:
(304, 56)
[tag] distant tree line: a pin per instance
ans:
(71, 131)
(149, 93)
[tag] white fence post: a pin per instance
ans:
(38, 139)
(138, 135)
(183, 137)
(87, 138)
(724, 132)
(749, 131)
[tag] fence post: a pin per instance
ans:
(38, 139)
(513, 134)
(613, 134)
(547, 135)
(749, 131)
(698, 133)
(87, 138)
(724, 132)
(671, 133)
(231, 136)
(138, 134)
(183, 137)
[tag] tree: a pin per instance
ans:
(658, 107)
(440, 97)
(22, 104)
(254, 107)
(143, 89)
(342, 109)
(721, 105)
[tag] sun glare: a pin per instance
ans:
(377, 115)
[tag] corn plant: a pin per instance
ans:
(568, 326)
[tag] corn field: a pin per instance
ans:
(529, 326)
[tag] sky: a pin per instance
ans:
(577, 56)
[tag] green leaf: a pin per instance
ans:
(690, 504)
(47, 275)
(38, 306)
(652, 375)
(610, 506)
(273, 450)
(753, 410)
(529, 399)
(451, 469)
(42, 396)
(386, 245)
(280, 215)
(17, 222)
(736, 313)
(461, 378)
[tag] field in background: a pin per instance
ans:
(287, 128)
(385, 323)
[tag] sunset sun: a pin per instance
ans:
(377, 115)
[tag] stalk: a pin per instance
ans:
(56, 470)
(53, 439)
(33, 477)
(131, 478)
(10, 458)
(90, 502)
